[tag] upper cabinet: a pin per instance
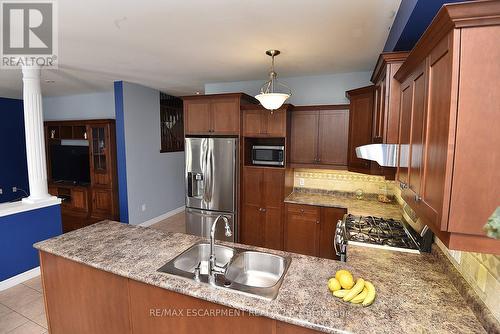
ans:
(385, 121)
(214, 114)
(360, 126)
(450, 93)
(375, 116)
(260, 122)
(319, 136)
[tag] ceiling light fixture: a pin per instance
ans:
(270, 95)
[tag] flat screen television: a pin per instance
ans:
(70, 163)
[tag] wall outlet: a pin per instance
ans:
(1, 191)
(301, 182)
(143, 207)
(456, 255)
(14, 189)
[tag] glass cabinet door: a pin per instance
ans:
(99, 148)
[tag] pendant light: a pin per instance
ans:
(271, 97)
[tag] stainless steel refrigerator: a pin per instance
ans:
(211, 184)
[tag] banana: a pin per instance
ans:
(370, 297)
(340, 293)
(356, 289)
(359, 298)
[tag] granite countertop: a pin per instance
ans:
(368, 206)
(414, 292)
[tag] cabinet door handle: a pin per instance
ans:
(418, 198)
(317, 221)
(301, 210)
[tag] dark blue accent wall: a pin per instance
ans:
(18, 233)
(413, 17)
(13, 168)
(120, 152)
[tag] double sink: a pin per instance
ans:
(253, 272)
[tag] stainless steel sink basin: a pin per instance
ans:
(256, 269)
(252, 272)
(187, 261)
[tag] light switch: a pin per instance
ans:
(143, 207)
(301, 182)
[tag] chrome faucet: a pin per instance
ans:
(213, 267)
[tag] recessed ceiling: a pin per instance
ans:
(179, 45)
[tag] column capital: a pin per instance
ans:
(31, 72)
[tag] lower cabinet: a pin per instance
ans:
(102, 203)
(310, 230)
(261, 223)
(80, 299)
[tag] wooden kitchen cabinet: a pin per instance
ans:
(304, 141)
(361, 120)
(302, 229)
(263, 195)
(450, 95)
(310, 230)
(385, 122)
(217, 114)
(319, 136)
(360, 126)
(260, 122)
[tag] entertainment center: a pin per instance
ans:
(81, 169)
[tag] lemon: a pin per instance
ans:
(333, 284)
(345, 279)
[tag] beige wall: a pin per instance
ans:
(481, 271)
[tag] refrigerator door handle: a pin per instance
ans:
(210, 170)
(204, 168)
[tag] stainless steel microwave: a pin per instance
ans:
(268, 155)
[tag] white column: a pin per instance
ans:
(35, 142)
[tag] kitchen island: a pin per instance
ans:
(414, 292)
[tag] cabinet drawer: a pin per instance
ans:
(303, 210)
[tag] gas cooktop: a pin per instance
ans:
(379, 232)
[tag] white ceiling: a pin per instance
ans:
(179, 45)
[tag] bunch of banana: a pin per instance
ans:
(343, 286)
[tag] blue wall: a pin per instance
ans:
(18, 233)
(413, 17)
(120, 152)
(13, 167)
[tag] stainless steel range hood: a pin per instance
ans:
(385, 155)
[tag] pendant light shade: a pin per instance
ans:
(272, 101)
(273, 93)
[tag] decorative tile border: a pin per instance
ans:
(338, 175)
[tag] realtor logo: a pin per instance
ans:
(29, 33)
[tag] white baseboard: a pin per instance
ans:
(162, 217)
(18, 279)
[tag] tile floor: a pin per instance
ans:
(176, 223)
(22, 309)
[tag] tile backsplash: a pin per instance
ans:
(341, 181)
(481, 271)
